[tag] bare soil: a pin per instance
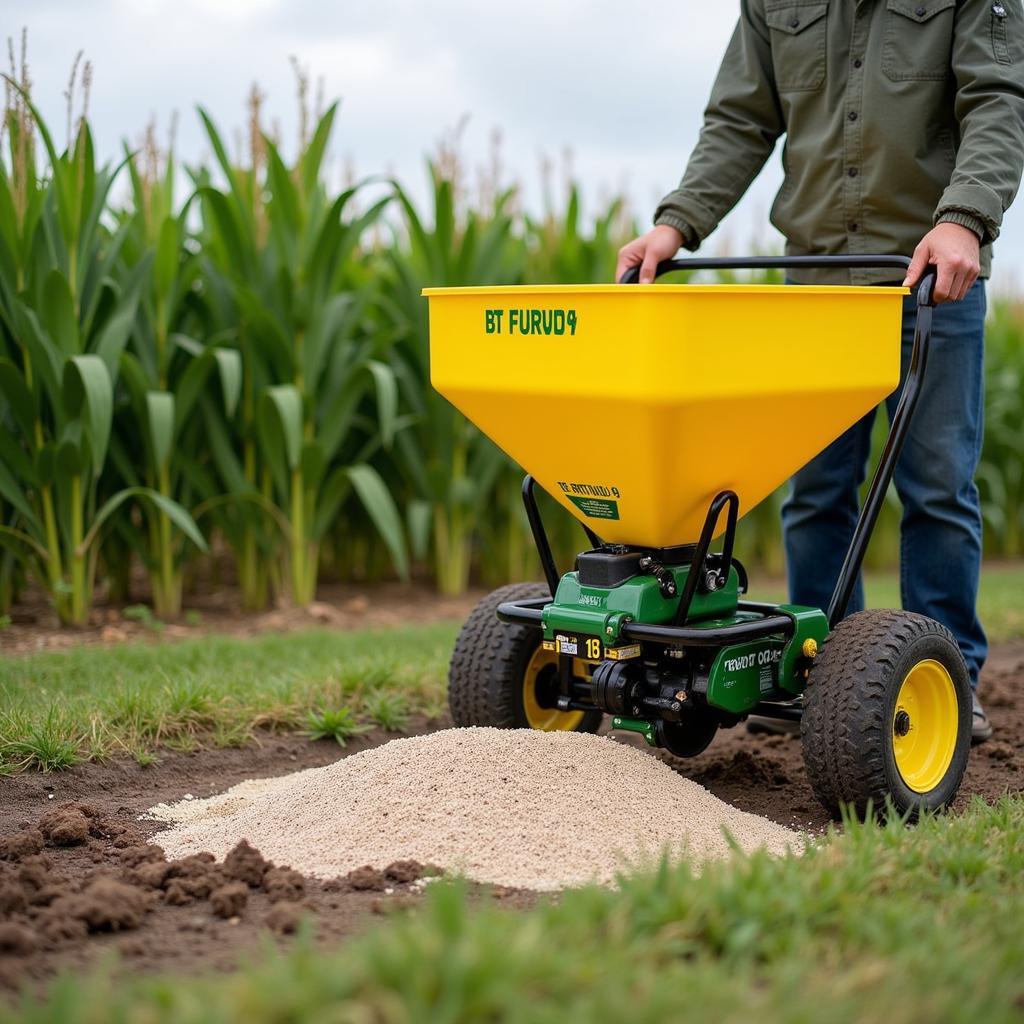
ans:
(34, 626)
(81, 876)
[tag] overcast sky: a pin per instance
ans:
(621, 86)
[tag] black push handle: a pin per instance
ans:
(879, 262)
(898, 431)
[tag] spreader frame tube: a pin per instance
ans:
(531, 613)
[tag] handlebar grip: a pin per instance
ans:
(925, 289)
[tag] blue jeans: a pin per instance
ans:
(940, 533)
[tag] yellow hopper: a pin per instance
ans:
(635, 405)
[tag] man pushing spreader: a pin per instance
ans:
(904, 133)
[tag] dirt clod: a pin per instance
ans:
(284, 884)
(245, 864)
(17, 940)
(37, 871)
(105, 905)
(284, 918)
(196, 865)
(229, 900)
(59, 929)
(132, 856)
(150, 874)
(366, 879)
(12, 899)
(22, 844)
(65, 826)
(404, 871)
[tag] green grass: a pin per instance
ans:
(880, 924)
(214, 691)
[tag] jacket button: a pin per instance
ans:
(858, 63)
(853, 228)
(852, 172)
(852, 115)
(921, 12)
(795, 23)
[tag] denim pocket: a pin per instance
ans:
(918, 39)
(798, 44)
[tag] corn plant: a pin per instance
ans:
(450, 467)
(165, 372)
(311, 368)
(66, 313)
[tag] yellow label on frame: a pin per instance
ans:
(623, 653)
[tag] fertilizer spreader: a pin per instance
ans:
(656, 415)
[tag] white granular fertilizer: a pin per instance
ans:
(518, 808)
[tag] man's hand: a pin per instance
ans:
(660, 243)
(954, 250)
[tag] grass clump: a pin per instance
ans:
(339, 725)
(388, 709)
(132, 700)
(880, 924)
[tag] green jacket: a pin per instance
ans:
(897, 114)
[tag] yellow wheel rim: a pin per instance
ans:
(537, 717)
(925, 725)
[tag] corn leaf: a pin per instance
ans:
(380, 507)
(87, 386)
(286, 401)
(160, 423)
(59, 312)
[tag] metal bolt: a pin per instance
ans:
(681, 695)
(901, 723)
(609, 630)
(712, 582)
(810, 647)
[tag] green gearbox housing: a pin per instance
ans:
(735, 679)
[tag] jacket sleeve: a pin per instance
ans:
(988, 63)
(742, 122)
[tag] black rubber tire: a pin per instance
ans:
(849, 705)
(485, 677)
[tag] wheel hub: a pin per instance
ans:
(925, 725)
(540, 683)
